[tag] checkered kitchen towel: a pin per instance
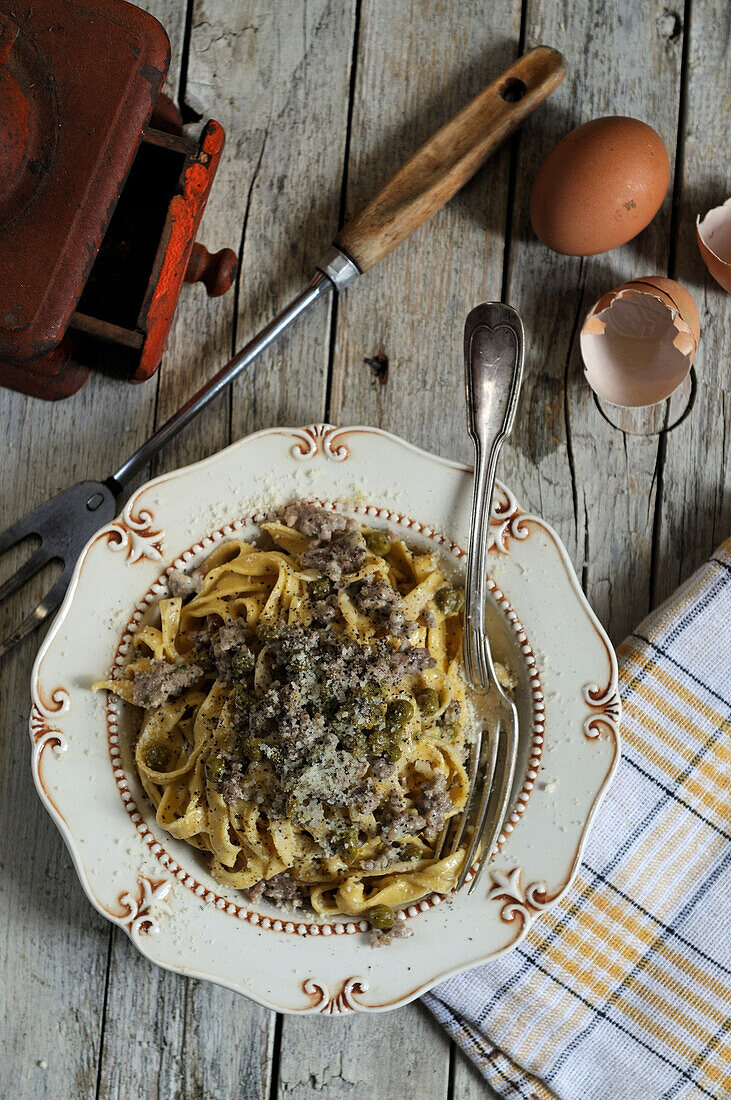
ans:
(622, 991)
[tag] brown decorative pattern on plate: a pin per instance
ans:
(135, 535)
(341, 1002)
(507, 520)
(607, 708)
(318, 439)
(137, 917)
(45, 731)
(520, 902)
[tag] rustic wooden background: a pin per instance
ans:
(321, 100)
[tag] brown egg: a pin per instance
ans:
(600, 186)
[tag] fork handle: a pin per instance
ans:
(450, 157)
(493, 356)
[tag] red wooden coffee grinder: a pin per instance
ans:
(101, 194)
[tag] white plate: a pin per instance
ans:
(157, 888)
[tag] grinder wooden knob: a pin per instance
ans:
(216, 270)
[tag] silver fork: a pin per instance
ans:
(493, 353)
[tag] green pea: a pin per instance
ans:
(215, 767)
(242, 697)
(381, 916)
(329, 693)
(450, 730)
(157, 756)
(273, 755)
(301, 664)
(350, 844)
(249, 747)
(394, 751)
(266, 632)
(359, 745)
(369, 713)
(378, 742)
(371, 690)
(398, 713)
(378, 543)
(320, 588)
(428, 700)
(243, 662)
(450, 600)
(411, 851)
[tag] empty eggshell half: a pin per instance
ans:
(714, 241)
(638, 342)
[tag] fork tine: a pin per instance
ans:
(479, 762)
(490, 814)
(18, 531)
(485, 780)
(27, 570)
(39, 614)
(454, 829)
(499, 802)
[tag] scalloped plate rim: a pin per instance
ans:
(72, 843)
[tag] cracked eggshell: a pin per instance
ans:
(638, 342)
(714, 241)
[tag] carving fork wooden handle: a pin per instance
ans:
(450, 158)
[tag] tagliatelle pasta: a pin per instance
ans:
(304, 717)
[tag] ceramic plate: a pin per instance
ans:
(158, 889)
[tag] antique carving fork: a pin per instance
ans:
(432, 176)
(493, 352)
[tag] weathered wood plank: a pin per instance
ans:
(277, 79)
(410, 311)
(596, 485)
(695, 514)
(300, 97)
(403, 1053)
(53, 945)
(168, 1036)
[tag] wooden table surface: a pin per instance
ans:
(321, 100)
